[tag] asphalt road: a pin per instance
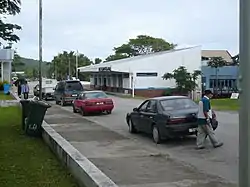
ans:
(222, 161)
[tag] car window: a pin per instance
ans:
(143, 106)
(95, 95)
(74, 85)
(178, 104)
(152, 106)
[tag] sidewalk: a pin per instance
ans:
(123, 160)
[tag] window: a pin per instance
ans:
(74, 85)
(95, 95)
(152, 106)
(177, 104)
(147, 74)
(143, 106)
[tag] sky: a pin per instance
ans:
(95, 27)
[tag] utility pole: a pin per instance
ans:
(40, 48)
(76, 64)
(69, 69)
(244, 90)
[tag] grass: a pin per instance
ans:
(26, 161)
(225, 104)
(5, 97)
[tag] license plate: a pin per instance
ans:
(192, 130)
(74, 95)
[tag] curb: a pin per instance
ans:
(84, 171)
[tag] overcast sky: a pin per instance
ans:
(94, 27)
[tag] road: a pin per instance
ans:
(222, 162)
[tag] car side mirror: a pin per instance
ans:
(135, 109)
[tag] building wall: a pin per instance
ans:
(224, 75)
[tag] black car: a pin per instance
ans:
(164, 117)
(67, 91)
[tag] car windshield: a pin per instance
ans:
(177, 104)
(74, 85)
(95, 95)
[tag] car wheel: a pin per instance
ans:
(109, 111)
(131, 127)
(156, 135)
(57, 102)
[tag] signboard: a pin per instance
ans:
(105, 69)
(234, 96)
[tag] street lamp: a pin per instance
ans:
(244, 90)
(76, 64)
(40, 48)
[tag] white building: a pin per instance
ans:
(6, 57)
(142, 75)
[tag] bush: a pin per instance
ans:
(2, 83)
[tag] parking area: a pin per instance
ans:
(134, 160)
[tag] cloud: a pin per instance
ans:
(95, 27)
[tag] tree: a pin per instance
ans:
(236, 60)
(9, 7)
(141, 45)
(97, 61)
(17, 61)
(65, 64)
(185, 81)
(216, 62)
(116, 56)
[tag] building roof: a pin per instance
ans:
(217, 53)
(115, 62)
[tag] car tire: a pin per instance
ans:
(156, 134)
(109, 111)
(131, 127)
(56, 102)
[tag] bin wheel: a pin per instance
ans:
(74, 109)
(83, 113)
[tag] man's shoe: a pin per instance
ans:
(198, 148)
(218, 145)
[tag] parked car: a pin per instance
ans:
(67, 91)
(93, 102)
(165, 117)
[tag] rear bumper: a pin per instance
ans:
(180, 129)
(98, 108)
(69, 99)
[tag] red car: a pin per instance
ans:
(93, 102)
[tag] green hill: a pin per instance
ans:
(28, 63)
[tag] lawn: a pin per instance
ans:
(26, 161)
(225, 104)
(5, 97)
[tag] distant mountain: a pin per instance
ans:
(30, 64)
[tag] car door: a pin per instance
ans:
(56, 93)
(138, 116)
(149, 116)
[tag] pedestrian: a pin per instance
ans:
(25, 90)
(204, 122)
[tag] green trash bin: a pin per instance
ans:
(25, 111)
(33, 123)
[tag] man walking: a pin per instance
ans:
(204, 122)
(25, 90)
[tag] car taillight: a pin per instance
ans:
(176, 120)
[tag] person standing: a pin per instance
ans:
(25, 90)
(204, 122)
